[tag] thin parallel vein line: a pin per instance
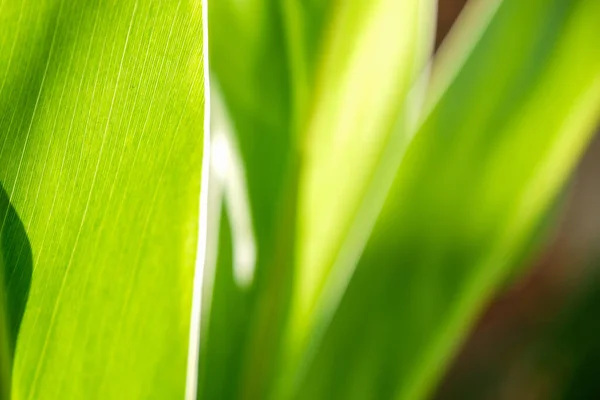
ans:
(152, 97)
(54, 124)
(98, 160)
(145, 228)
(76, 176)
(96, 169)
(50, 54)
(81, 150)
(12, 48)
(120, 318)
(130, 119)
(20, 95)
(37, 100)
(149, 109)
(50, 142)
(69, 134)
(157, 188)
(143, 130)
(83, 219)
(36, 263)
(61, 170)
(10, 124)
(43, 300)
(12, 118)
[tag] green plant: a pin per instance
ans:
(101, 115)
(363, 202)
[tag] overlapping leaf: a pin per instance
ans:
(277, 85)
(361, 118)
(249, 63)
(323, 98)
(513, 104)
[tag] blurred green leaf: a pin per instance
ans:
(101, 114)
(275, 86)
(514, 98)
(254, 49)
(360, 121)
(250, 68)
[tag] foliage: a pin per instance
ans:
(366, 198)
(406, 192)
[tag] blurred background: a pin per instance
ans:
(540, 337)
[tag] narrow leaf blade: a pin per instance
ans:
(501, 136)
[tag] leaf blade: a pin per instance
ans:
(102, 160)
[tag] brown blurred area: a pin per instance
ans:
(537, 338)
(448, 11)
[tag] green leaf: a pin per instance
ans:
(255, 71)
(248, 59)
(226, 301)
(514, 98)
(369, 88)
(101, 142)
(275, 86)
(250, 66)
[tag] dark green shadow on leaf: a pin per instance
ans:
(17, 265)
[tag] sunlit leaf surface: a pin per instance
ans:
(101, 141)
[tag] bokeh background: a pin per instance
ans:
(540, 337)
